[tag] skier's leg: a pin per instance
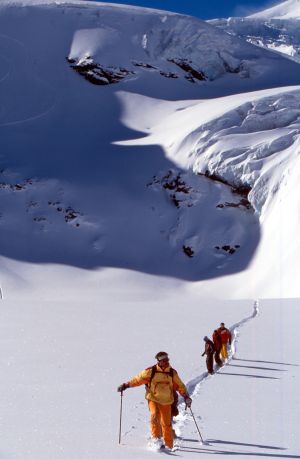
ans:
(155, 425)
(210, 363)
(166, 424)
(224, 353)
(217, 359)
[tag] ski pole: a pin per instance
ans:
(196, 424)
(120, 427)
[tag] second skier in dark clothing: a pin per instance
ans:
(209, 351)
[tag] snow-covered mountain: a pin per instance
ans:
(70, 70)
(276, 28)
(187, 200)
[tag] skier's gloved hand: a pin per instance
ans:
(123, 387)
(188, 401)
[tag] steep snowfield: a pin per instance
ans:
(82, 199)
(193, 198)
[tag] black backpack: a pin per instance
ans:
(174, 409)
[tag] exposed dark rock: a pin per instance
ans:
(175, 201)
(17, 186)
(193, 75)
(97, 74)
(144, 65)
(242, 203)
(228, 248)
(176, 184)
(229, 68)
(242, 190)
(169, 74)
(172, 182)
(53, 203)
(71, 214)
(188, 251)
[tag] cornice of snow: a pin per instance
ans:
(285, 10)
(90, 4)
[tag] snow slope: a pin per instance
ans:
(190, 200)
(62, 362)
(82, 199)
(251, 141)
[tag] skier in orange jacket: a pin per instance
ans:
(225, 335)
(161, 382)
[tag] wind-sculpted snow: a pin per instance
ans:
(252, 144)
(249, 142)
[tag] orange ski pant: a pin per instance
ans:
(224, 352)
(161, 422)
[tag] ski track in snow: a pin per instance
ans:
(25, 54)
(195, 384)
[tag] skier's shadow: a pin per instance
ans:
(252, 367)
(248, 375)
(266, 361)
(204, 450)
(223, 442)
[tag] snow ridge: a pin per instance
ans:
(289, 9)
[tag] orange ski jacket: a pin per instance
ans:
(162, 385)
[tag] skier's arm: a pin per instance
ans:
(142, 378)
(138, 380)
(181, 388)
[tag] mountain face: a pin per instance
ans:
(276, 28)
(122, 45)
(143, 140)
